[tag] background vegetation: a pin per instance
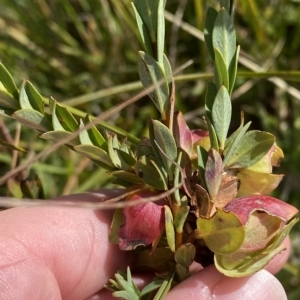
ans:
(84, 54)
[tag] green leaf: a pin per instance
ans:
(185, 254)
(8, 102)
(119, 158)
(150, 173)
(221, 68)
(65, 118)
(221, 115)
(212, 135)
(160, 31)
(127, 176)
(145, 35)
(94, 153)
(126, 295)
(167, 144)
(180, 218)
(233, 141)
(213, 173)
(95, 136)
(253, 147)
(83, 135)
(57, 126)
(8, 82)
(148, 11)
(32, 118)
(117, 221)
(165, 287)
(233, 69)
(35, 99)
(167, 69)
(210, 96)
(60, 135)
(169, 227)
(223, 233)
(151, 73)
(211, 16)
(23, 98)
(152, 286)
(223, 36)
(202, 159)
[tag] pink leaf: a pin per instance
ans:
(244, 206)
(182, 133)
(143, 223)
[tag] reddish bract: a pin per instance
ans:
(143, 223)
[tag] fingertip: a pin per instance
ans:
(261, 285)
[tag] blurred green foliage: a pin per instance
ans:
(84, 54)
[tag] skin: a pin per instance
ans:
(63, 253)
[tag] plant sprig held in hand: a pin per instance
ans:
(211, 186)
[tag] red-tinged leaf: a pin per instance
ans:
(228, 190)
(213, 173)
(200, 138)
(198, 135)
(143, 223)
(244, 206)
(260, 229)
(182, 133)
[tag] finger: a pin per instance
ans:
(56, 252)
(210, 284)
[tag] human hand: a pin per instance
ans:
(64, 253)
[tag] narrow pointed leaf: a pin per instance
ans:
(152, 74)
(117, 221)
(145, 35)
(212, 135)
(32, 119)
(23, 98)
(210, 96)
(167, 144)
(8, 102)
(8, 82)
(84, 136)
(36, 100)
(149, 174)
(95, 136)
(160, 30)
(94, 153)
(169, 227)
(180, 218)
(213, 173)
(59, 135)
(221, 115)
(223, 36)
(66, 119)
(222, 73)
(202, 159)
(233, 69)
(211, 16)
